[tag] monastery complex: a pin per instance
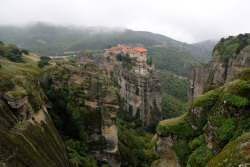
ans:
(137, 54)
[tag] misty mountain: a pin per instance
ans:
(48, 39)
(208, 44)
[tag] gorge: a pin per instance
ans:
(100, 108)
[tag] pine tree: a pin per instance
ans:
(150, 61)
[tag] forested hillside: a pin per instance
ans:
(52, 40)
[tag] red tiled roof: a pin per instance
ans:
(128, 48)
(119, 48)
(138, 50)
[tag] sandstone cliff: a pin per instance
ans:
(227, 60)
(94, 94)
(140, 88)
(27, 134)
(141, 94)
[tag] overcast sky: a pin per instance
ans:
(184, 20)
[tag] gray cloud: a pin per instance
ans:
(187, 21)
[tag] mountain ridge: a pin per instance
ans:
(50, 39)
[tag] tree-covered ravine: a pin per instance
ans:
(102, 109)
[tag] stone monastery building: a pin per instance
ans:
(139, 53)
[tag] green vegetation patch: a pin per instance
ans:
(207, 100)
(6, 85)
(174, 86)
(6, 68)
(172, 107)
(198, 141)
(75, 149)
(226, 126)
(246, 49)
(200, 157)
(154, 140)
(11, 52)
(235, 100)
(227, 47)
(44, 60)
(16, 93)
(178, 126)
(235, 153)
(134, 141)
(182, 151)
(245, 75)
(226, 52)
(226, 130)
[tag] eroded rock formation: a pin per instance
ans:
(139, 86)
(96, 94)
(205, 77)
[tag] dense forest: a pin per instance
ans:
(174, 94)
(176, 59)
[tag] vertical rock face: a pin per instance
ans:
(140, 88)
(165, 151)
(203, 78)
(100, 98)
(141, 94)
(197, 78)
(27, 134)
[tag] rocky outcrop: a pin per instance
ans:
(85, 56)
(140, 88)
(198, 76)
(141, 94)
(219, 92)
(214, 119)
(221, 70)
(232, 153)
(96, 94)
(164, 148)
(27, 134)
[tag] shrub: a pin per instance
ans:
(207, 100)
(200, 156)
(226, 126)
(182, 151)
(198, 141)
(218, 119)
(226, 130)
(25, 51)
(245, 75)
(6, 85)
(241, 128)
(44, 60)
(178, 126)
(235, 100)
